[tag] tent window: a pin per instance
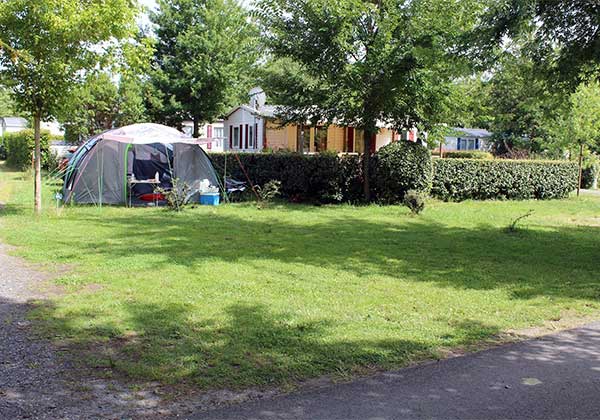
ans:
(236, 137)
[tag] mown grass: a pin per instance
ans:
(233, 297)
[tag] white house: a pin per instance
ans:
(255, 127)
(467, 139)
(211, 135)
(12, 125)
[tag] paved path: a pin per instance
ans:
(556, 377)
(36, 380)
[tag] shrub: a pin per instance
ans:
(20, 145)
(399, 167)
(468, 154)
(415, 201)
(324, 178)
(2, 150)
(590, 176)
(461, 179)
(177, 196)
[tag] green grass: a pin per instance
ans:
(238, 297)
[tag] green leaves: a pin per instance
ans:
(204, 60)
(371, 61)
(49, 44)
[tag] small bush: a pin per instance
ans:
(468, 154)
(2, 150)
(269, 191)
(415, 201)
(399, 167)
(177, 196)
(19, 149)
(462, 179)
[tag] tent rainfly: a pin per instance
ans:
(102, 170)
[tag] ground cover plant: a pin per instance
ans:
(234, 297)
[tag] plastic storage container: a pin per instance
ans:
(209, 199)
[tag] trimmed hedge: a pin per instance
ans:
(19, 149)
(323, 178)
(397, 168)
(462, 179)
(468, 154)
(400, 167)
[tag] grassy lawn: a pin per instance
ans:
(237, 297)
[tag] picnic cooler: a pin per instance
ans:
(209, 198)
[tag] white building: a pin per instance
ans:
(12, 125)
(468, 139)
(211, 135)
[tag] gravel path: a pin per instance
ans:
(36, 382)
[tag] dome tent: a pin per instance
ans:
(101, 169)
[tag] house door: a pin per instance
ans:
(350, 140)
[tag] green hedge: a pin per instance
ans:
(400, 167)
(19, 149)
(468, 154)
(461, 179)
(324, 178)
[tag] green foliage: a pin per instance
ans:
(304, 178)
(49, 43)
(19, 149)
(468, 154)
(205, 52)
(269, 191)
(177, 196)
(8, 106)
(360, 62)
(400, 167)
(563, 35)
(463, 179)
(415, 201)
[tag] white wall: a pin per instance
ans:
(242, 117)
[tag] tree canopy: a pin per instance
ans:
(46, 46)
(361, 63)
(205, 53)
(565, 35)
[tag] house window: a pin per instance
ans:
(236, 137)
(218, 132)
(303, 139)
(320, 139)
(251, 137)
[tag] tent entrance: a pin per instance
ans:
(148, 166)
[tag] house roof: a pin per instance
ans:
(15, 121)
(267, 111)
(473, 132)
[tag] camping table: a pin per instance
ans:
(132, 182)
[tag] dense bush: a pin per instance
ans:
(324, 178)
(20, 145)
(2, 150)
(415, 201)
(588, 176)
(468, 154)
(399, 167)
(461, 179)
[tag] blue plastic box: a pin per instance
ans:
(209, 199)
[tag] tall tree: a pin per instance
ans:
(45, 47)
(368, 61)
(565, 37)
(204, 56)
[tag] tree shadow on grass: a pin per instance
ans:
(256, 347)
(558, 262)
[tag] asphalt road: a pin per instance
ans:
(555, 377)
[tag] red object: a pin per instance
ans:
(350, 140)
(152, 197)
(256, 136)
(209, 145)
(209, 131)
(246, 136)
(231, 137)
(373, 144)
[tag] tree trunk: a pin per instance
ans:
(196, 132)
(580, 168)
(37, 166)
(367, 166)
